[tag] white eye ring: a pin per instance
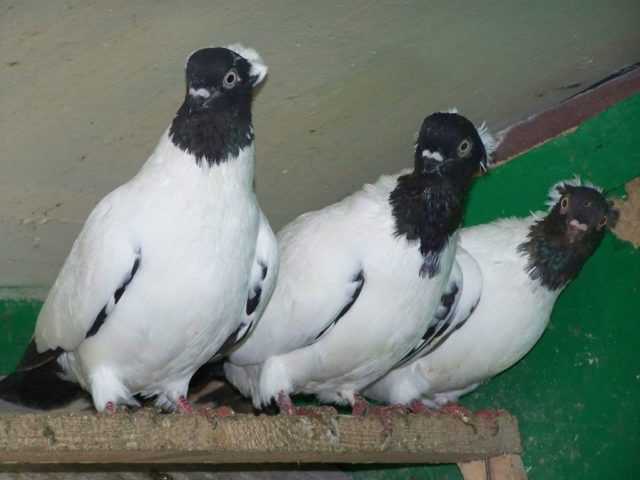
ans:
(230, 78)
(464, 147)
(564, 203)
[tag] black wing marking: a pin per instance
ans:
(439, 340)
(254, 296)
(253, 300)
(359, 279)
(440, 323)
(42, 388)
(32, 358)
(236, 336)
(102, 316)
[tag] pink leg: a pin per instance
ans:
(183, 405)
(360, 406)
(418, 407)
(110, 408)
(457, 410)
(285, 404)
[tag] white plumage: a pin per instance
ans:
(186, 246)
(510, 317)
(352, 296)
(322, 253)
(515, 304)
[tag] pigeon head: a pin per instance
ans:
(449, 145)
(429, 202)
(558, 244)
(580, 212)
(214, 122)
(219, 76)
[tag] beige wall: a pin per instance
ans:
(87, 88)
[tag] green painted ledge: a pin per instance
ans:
(576, 394)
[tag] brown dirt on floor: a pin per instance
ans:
(628, 227)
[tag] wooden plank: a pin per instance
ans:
(503, 467)
(507, 467)
(152, 437)
(475, 470)
(565, 116)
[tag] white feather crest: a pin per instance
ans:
(488, 140)
(258, 67)
(555, 193)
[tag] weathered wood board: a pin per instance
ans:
(327, 437)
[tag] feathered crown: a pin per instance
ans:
(556, 192)
(258, 67)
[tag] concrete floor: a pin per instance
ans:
(87, 88)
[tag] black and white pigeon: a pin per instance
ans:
(171, 268)
(521, 266)
(360, 280)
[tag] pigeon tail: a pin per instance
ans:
(40, 388)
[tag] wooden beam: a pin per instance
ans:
(324, 437)
(568, 115)
(504, 467)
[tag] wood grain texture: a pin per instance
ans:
(502, 467)
(326, 437)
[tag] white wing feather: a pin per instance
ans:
(96, 267)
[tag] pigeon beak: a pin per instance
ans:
(435, 156)
(576, 230)
(200, 98)
(431, 161)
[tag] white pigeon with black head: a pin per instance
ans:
(171, 268)
(360, 280)
(524, 264)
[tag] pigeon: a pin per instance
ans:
(360, 280)
(524, 264)
(170, 269)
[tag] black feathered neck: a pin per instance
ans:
(428, 209)
(551, 257)
(213, 135)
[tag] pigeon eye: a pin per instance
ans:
(564, 203)
(464, 147)
(603, 221)
(230, 79)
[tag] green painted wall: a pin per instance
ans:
(17, 318)
(576, 394)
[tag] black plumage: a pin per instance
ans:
(559, 244)
(215, 134)
(41, 387)
(428, 203)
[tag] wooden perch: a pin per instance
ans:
(326, 437)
